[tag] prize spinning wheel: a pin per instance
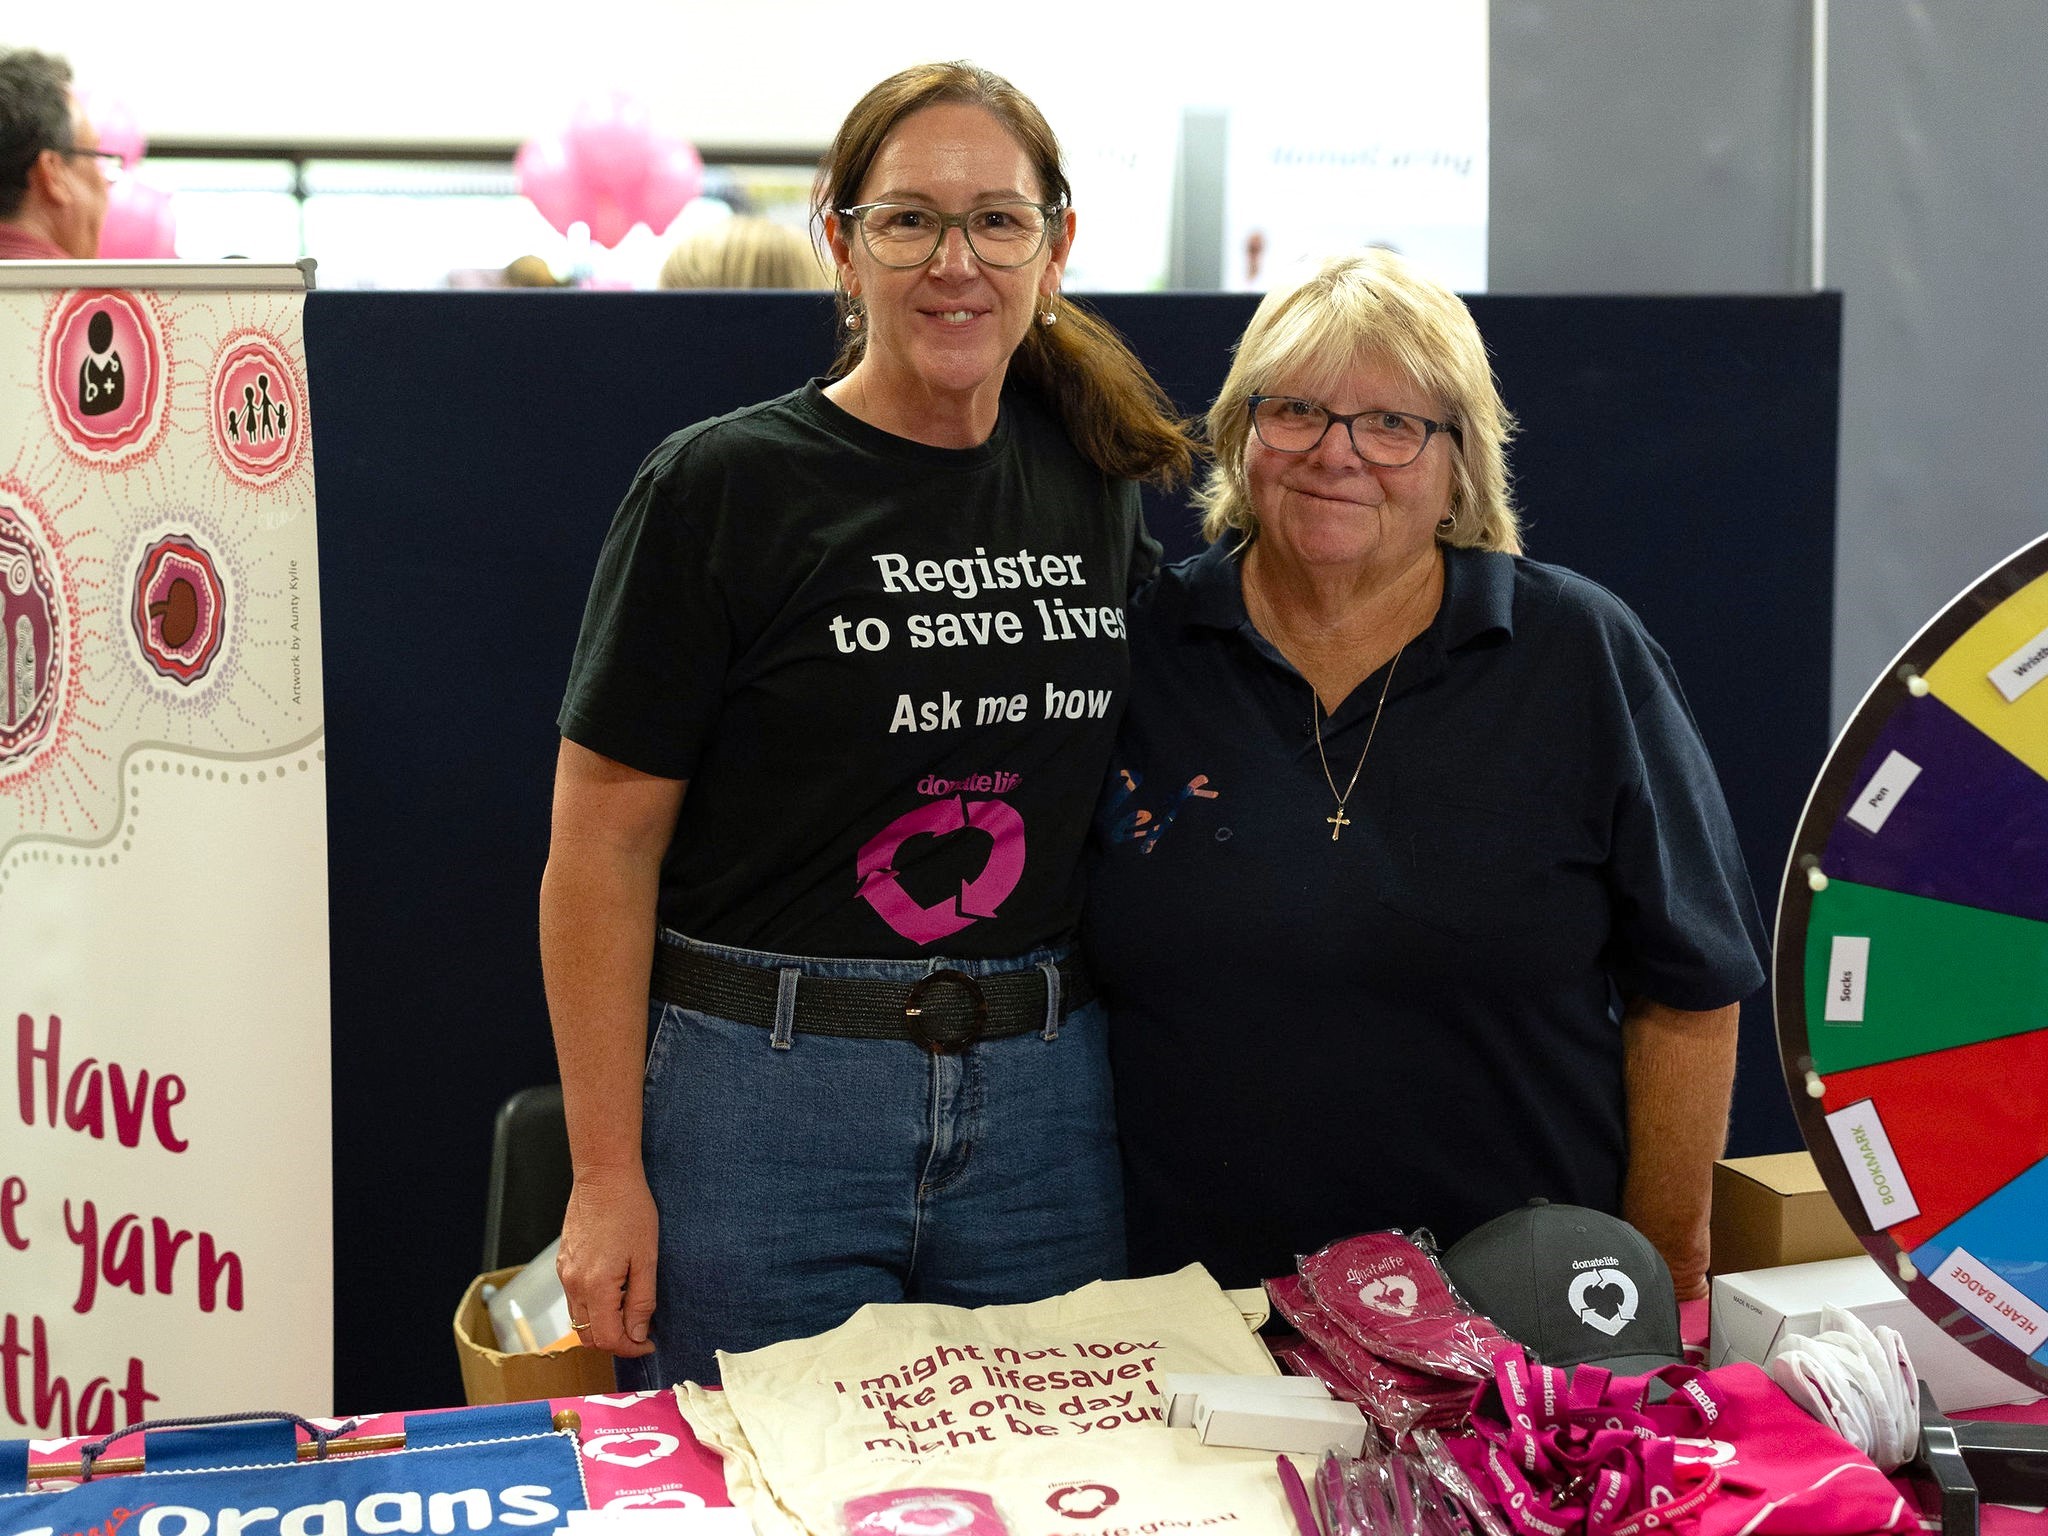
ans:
(1912, 969)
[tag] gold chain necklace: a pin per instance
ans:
(1340, 821)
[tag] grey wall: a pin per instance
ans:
(1648, 146)
(1663, 146)
(1660, 146)
(1936, 228)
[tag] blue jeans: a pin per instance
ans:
(797, 1184)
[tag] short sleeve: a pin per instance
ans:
(1687, 932)
(648, 675)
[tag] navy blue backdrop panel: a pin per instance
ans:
(471, 448)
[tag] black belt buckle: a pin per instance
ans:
(920, 1028)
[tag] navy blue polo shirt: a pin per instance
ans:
(1417, 1022)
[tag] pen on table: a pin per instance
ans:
(1297, 1497)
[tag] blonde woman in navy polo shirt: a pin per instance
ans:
(1417, 895)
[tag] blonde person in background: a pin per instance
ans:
(744, 252)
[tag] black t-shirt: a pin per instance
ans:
(1412, 1023)
(891, 673)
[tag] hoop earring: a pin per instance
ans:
(1447, 522)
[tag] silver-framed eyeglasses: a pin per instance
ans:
(1388, 439)
(908, 235)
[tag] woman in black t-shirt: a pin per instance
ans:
(875, 630)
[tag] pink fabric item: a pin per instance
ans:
(1397, 1398)
(1388, 1294)
(1783, 1473)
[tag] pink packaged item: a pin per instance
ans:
(1303, 1359)
(1397, 1398)
(1389, 1295)
(923, 1512)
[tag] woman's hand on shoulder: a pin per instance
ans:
(606, 1262)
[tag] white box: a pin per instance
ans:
(1185, 1391)
(1260, 1421)
(1752, 1311)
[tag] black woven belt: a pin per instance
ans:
(944, 1011)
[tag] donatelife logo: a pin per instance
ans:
(979, 897)
(1081, 1501)
(1622, 1292)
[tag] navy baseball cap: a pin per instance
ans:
(1572, 1286)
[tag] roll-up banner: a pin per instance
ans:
(165, 1166)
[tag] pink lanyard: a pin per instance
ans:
(1564, 1456)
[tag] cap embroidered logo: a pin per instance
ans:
(1594, 1311)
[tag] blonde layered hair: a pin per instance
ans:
(744, 252)
(1358, 310)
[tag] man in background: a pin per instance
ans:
(53, 174)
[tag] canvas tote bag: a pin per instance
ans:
(1055, 1408)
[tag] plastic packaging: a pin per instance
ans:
(1399, 1399)
(1464, 1495)
(1388, 1294)
(1304, 1359)
(1858, 1381)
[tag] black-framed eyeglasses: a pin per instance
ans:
(1388, 439)
(111, 161)
(908, 235)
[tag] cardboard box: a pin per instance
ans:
(1751, 1312)
(489, 1375)
(1263, 1421)
(1185, 1391)
(1775, 1210)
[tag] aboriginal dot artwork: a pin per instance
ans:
(34, 636)
(257, 408)
(179, 609)
(158, 571)
(1912, 974)
(103, 380)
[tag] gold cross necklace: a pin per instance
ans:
(1340, 821)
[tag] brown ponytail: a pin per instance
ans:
(1118, 418)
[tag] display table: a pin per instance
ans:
(637, 1452)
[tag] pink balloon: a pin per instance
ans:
(610, 141)
(609, 221)
(544, 176)
(118, 129)
(140, 224)
(676, 176)
(610, 169)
